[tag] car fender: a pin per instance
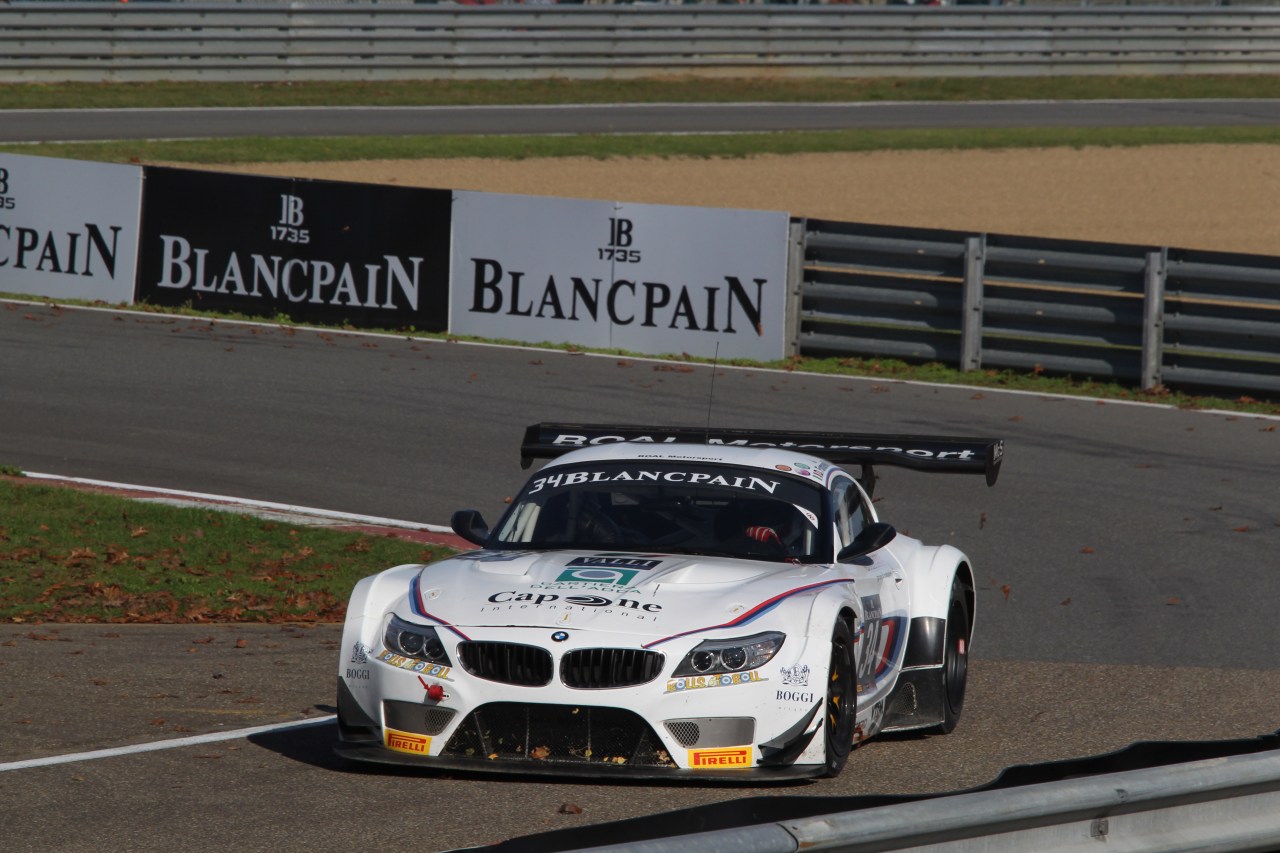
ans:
(828, 606)
(931, 577)
(370, 600)
(932, 573)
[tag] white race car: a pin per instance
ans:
(666, 602)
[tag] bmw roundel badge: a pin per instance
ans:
(560, 636)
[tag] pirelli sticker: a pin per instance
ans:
(725, 757)
(406, 742)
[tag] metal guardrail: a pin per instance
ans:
(1151, 316)
(42, 41)
(1224, 804)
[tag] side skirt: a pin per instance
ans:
(917, 700)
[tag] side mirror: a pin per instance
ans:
(469, 524)
(872, 538)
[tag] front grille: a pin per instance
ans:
(416, 717)
(563, 734)
(685, 732)
(509, 663)
(712, 731)
(592, 669)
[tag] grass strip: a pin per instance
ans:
(670, 89)
(68, 555)
(331, 149)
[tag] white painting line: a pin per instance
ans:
(176, 743)
(300, 510)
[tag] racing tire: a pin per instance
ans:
(955, 657)
(840, 705)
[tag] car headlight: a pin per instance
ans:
(419, 642)
(715, 656)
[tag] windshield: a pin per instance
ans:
(670, 507)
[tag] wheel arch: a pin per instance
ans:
(965, 574)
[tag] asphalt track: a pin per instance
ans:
(1126, 565)
(91, 124)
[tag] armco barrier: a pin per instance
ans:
(42, 41)
(1227, 804)
(1149, 796)
(1145, 315)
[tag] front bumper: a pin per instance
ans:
(543, 740)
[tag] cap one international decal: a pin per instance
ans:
(721, 758)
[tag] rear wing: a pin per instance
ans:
(935, 454)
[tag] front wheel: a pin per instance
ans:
(955, 660)
(841, 703)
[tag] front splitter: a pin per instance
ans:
(375, 753)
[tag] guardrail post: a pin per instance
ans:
(975, 256)
(795, 280)
(1157, 270)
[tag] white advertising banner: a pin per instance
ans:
(68, 229)
(640, 277)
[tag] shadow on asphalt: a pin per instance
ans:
(312, 745)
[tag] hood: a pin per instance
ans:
(659, 594)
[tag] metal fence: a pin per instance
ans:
(1223, 804)
(1146, 315)
(42, 41)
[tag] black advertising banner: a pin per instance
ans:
(315, 251)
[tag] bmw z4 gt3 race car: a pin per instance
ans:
(667, 602)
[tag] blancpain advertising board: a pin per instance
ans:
(68, 229)
(640, 277)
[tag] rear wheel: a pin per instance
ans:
(955, 659)
(841, 704)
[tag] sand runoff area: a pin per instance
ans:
(1220, 197)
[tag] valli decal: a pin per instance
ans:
(700, 682)
(611, 561)
(406, 742)
(718, 759)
